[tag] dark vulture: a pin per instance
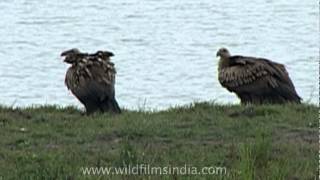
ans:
(256, 80)
(91, 79)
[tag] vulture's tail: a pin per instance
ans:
(115, 106)
(289, 94)
(110, 105)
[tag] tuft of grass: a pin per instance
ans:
(256, 142)
(254, 156)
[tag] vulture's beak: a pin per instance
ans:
(218, 54)
(70, 51)
(107, 53)
(110, 54)
(64, 53)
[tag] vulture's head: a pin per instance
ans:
(105, 55)
(71, 55)
(223, 53)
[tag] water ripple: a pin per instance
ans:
(164, 51)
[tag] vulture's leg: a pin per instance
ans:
(91, 108)
(245, 99)
(256, 99)
(104, 106)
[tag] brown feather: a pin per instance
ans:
(256, 80)
(92, 81)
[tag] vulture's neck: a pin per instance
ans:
(224, 62)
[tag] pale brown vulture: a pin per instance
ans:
(91, 79)
(256, 80)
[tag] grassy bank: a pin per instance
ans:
(265, 142)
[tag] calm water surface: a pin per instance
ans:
(165, 50)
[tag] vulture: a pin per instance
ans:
(91, 78)
(256, 80)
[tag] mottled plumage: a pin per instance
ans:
(91, 79)
(255, 80)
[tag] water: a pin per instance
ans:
(164, 50)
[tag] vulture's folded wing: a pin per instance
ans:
(249, 74)
(71, 78)
(247, 71)
(94, 82)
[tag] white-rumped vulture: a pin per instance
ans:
(256, 80)
(91, 79)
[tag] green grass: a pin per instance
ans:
(262, 142)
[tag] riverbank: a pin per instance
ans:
(264, 142)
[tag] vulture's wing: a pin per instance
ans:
(256, 74)
(71, 79)
(91, 82)
(255, 64)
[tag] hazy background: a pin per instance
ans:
(164, 50)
